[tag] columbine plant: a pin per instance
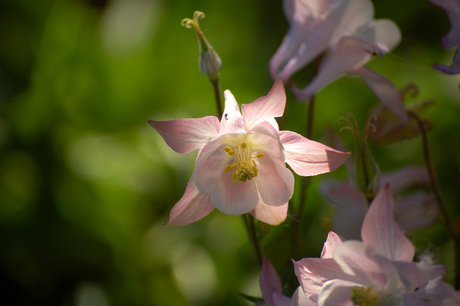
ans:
(345, 31)
(240, 166)
(377, 271)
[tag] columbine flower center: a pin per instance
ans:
(363, 296)
(244, 162)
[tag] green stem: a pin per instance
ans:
(311, 109)
(250, 226)
(437, 194)
(217, 94)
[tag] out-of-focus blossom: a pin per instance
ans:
(345, 31)
(451, 39)
(240, 166)
(412, 210)
(377, 271)
(270, 286)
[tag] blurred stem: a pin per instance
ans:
(311, 110)
(437, 194)
(215, 82)
(251, 228)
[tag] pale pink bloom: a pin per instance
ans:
(240, 166)
(345, 31)
(451, 39)
(377, 271)
(412, 210)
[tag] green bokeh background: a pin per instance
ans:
(86, 184)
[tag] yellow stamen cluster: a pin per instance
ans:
(246, 167)
(364, 296)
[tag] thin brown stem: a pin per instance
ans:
(437, 194)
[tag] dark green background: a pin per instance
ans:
(86, 184)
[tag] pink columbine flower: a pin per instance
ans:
(345, 31)
(377, 271)
(240, 166)
(412, 210)
(451, 39)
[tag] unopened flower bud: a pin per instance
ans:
(209, 62)
(366, 174)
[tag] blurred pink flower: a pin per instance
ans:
(345, 30)
(240, 166)
(377, 271)
(412, 210)
(451, 39)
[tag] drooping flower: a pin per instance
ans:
(377, 271)
(412, 210)
(345, 31)
(240, 166)
(451, 39)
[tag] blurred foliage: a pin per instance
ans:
(86, 184)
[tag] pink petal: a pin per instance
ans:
(233, 198)
(360, 260)
(232, 121)
(264, 138)
(416, 275)
(269, 106)
(385, 90)
(307, 157)
(441, 291)
(187, 135)
(381, 231)
(191, 207)
(270, 285)
(299, 298)
(337, 292)
(273, 215)
(210, 165)
(275, 182)
(312, 273)
(351, 54)
(332, 241)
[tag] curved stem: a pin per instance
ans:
(439, 201)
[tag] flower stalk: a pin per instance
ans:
(442, 208)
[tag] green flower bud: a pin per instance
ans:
(209, 62)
